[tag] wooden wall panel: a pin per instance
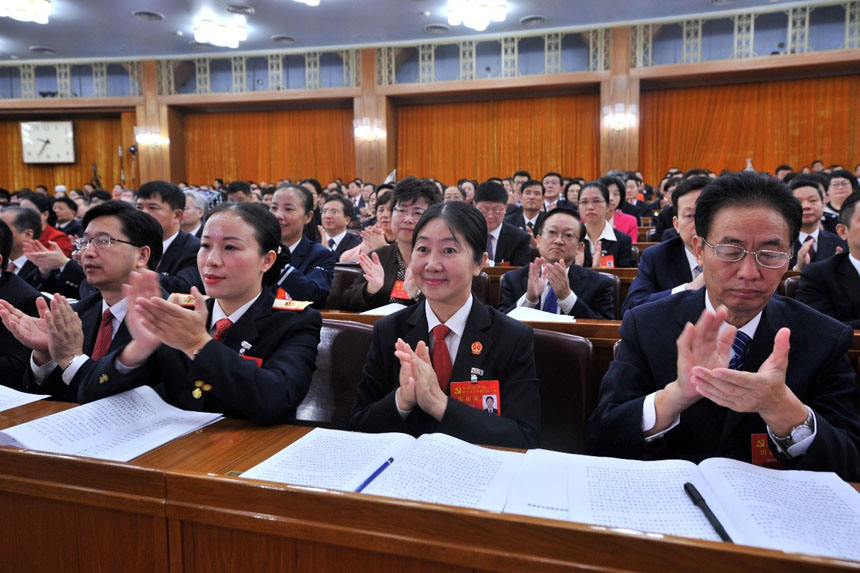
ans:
(97, 140)
(495, 138)
(717, 127)
(269, 145)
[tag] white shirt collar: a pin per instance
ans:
(457, 322)
(814, 234)
(20, 262)
(856, 262)
(532, 221)
(691, 259)
(748, 328)
(118, 311)
(607, 233)
(166, 242)
(294, 245)
(338, 238)
(218, 313)
(195, 229)
(495, 234)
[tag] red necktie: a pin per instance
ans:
(221, 327)
(104, 336)
(12, 267)
(441, 358)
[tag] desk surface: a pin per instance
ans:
(219, 522)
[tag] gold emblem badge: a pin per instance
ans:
(197, 393)
(477, 347)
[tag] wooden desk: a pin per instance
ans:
(179, 508)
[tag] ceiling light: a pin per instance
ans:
(436, 28)
(148, 15)
(534, 20)
(476, 14)
(26, 10)
(308, 2)
(44, 50)
(226, 34)
(282, 39)
(243, 9)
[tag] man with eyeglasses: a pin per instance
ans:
(732, 370)
(553, 282)
(506, 244)
(69, 339)
(337, 212)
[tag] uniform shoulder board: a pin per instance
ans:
(183, 299)
(294, 305)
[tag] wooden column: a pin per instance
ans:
(619, 149)
(164, 161)
(374, 160)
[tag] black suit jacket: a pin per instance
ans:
(29, 273)
(178, 264)
(14, 356)
(349, 241)
(832, 286)
(825, 247)
(634, 210)
(517, 219)
(819, 374)
(356, 299)
(286, 341)
(594, 292)
(661, 268)
(311, 274)
(512, 246)
(663, 221)
(621, 248)
(66, 282)
(90, 312)
(73, 228)
(506, 355)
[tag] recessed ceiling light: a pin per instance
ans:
(243, 9)
(436, 28)
(534, 20)
(283, 39)
(426, 12)
(42, 50)
(180, 33)
(148, 15)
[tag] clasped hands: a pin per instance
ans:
(151, 320)
(704, 350)
(55, 335)
(541, 272)
(418, 382)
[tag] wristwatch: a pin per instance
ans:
(798, 433)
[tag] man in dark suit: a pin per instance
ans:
(26, 226)
(309, 274)
(554, 282)
(65, 209)
(832, 286)
(814, 243)
(506, 244)
(118, 239)
(336, 215)
(531, 214)
(178, 265)
(732, 381)
(196, 207)
(671, 266)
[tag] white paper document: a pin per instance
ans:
(10, 398)
(116, 428)
(385, 310)
(526, 314)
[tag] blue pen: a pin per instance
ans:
(375, 474)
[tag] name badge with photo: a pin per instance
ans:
(482, 394)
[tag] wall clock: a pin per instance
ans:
(48, 142)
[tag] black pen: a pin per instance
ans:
(700, 502)
(375, 474)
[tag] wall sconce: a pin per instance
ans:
(367, 130)
(620, 116)
(149, 135)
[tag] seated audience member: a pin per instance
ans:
(14, 356)
(99, 196)
(506, 244)
(386, 279)
(832, 286)
(454, 193)
(634, 206)
(842, 183)
(65, 210)
(607, 247)
(404, 390)
(312, 228)
(196, 207)
(571, 192)
(42, 205)
(554, 282)
(671, 266)
(117, 240)
(239, 192)
(231, 353)
(531, 214)
(337, 214)
(178, 264)
(310, 270)
(552, 190)
(4, 197)
(814, 243)
(519, 178)
(378, 235)
(627, 224)
(468, 187)
(26, 226)
(752, 368)
(663, 227)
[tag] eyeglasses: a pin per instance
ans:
(734, 253)
(101, 242)
(840, 183)
(552, 235)
(492, 211)
(591, 203)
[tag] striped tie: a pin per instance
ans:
(738, 347)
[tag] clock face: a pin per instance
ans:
(47, 142)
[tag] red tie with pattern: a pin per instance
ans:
(221, 327)
(104, 336)
(441, 358)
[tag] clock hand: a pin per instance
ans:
(44, 145)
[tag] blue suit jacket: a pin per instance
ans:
(312, 272)
(594, 292)
(661, 268)
(505, 352)
(819, 374)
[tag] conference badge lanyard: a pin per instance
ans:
(481, 394)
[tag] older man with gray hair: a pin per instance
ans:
(196, 208)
